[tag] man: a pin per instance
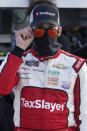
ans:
(50, 84)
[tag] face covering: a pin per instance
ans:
(46, 45)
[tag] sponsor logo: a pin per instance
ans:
(53, 73)
(25, 78)
(66, 85)
(52, 81)
(45, 13)
(37, 13)
(79, 63)
(60, 66)
(24, 68)
(38, 70)
(25, 73)
(32, 63)
(42, 104)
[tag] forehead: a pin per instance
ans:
(46, 25)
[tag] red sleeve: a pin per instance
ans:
(8, 73)
(77, 102)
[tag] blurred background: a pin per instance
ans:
(73, 17)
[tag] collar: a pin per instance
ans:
(44, 57)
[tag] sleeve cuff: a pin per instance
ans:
(17, 51)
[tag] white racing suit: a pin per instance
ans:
(50, 92)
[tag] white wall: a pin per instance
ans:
(72, 3)
(14, 3)
(60, 3)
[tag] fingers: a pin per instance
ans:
(25, 33)
(24, 37)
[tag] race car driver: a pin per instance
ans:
(50, 85)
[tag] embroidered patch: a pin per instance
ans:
(52, 81)
(32, 63)
(66, 85)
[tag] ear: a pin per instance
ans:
(60, 31)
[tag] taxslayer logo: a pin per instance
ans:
(45, 13)
(42, 104)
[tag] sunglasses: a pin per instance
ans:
(52, 33)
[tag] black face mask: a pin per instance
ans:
(46, 45)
